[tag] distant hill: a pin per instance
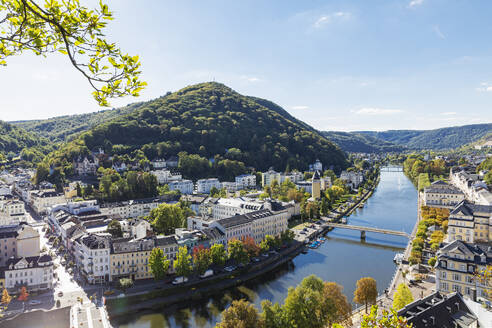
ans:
(359, 143)
(63, 128)
(438, 139)
(213, 121)
(14, 139)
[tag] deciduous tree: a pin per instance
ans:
(402, 297)
(218, 254)
(366, 292)
(385, 319)
(23, 295)
(241, 314)
(202, 259)
(66, 27)
(182, 265)
(237, 252)
(6, 298)
(158, 265)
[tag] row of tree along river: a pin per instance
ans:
(343, 258)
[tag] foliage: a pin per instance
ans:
(237, 252)
(202, 259)
(402, 297)
(241, 314)
(114, 228)
(250, 246)
(198, 120)
(485, 277)
(77, 32)
(23, 295)
(125, 283)
(17, 141)
(360, 143)
(167, 217)
(444, 138)
(421, 172)
(313, 303)
(387, 319)
(6, 298)
(133, 185)
(65, 128)
(366, 291)
(218, 254)
(432, 261)
(182, 264)
(158, 265)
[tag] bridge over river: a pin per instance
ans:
(370, 229)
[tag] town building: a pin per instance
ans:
(166, 176)
(471, 185)
(326, 183)
(169, 247)
(316, 186)
(245, 181)
(42, 200)
(195, 202)
(33, 272)
(158, 163)
(441, 194)
(130, 258)
(306, 185)
(229, 186)
(86, 166)
(203, 186)
(18, 241)
(184, 186)
(316, 166)
(352, 178)
(457, 265)
(268, 177)
(92, 256)
(439, 310)
(131, 208)
(470, 223)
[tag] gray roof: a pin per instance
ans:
(244, 218)
(438, 311)
(165, 240)
(471, 209)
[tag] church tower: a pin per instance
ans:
(316, 186)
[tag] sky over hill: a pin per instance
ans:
(338, 65)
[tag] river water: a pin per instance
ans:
(343, 258)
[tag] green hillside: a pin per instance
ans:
(355, 142)
(15, 140)
(438, 139)
(65, 127)
(213, 121)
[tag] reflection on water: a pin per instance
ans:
(343, 258)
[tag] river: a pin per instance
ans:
(343, 258)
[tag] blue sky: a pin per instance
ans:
(338, 65)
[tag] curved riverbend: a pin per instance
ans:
(343, 258)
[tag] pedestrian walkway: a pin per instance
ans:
(88, 315)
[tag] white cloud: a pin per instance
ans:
(377, 111)
(327, 19)
(251, 79)
(438, 32)
(448, 113)
(485, 87)
(415, 3)
(299, 107)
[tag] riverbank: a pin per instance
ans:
(164, 295)
(58, 318)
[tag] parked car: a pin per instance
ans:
(207, 273)
(230, 268)
(256, 259)
(179, 280)
(34, 302)
(264, 254)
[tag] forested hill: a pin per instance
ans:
(63, 128)
(355, 142)
(14, 140)
(438, 139)
(214, 122)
